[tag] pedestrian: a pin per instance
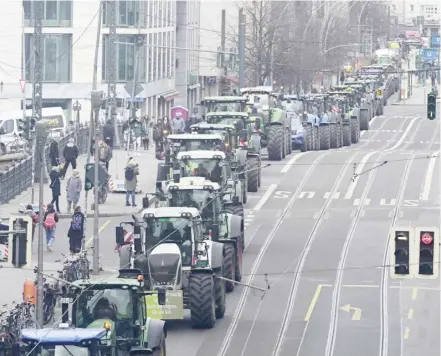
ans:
(145, 133)
(54, 153)
(104, 154)
(109, 133)
(433, 78)
(76, 230)
(50, 221)
(70, 154)
(34, 216)
(73, 190)
(178, 124)
(55, 186)
(131, 180)
(137, 132)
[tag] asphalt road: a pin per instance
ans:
(319, 240)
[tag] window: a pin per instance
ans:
(55, 13)
(128, 13)
(57, 57)
(150, 57)
(394, 7)
(164, 54)
(125, 58)
(411, 7)
(149, 14)
(155, 56)
(6, 126)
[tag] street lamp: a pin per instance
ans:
(77, 108)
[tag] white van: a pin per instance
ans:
(10, 133)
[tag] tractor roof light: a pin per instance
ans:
(150, 215)
(140, 278)
(208, 187)
(184, 157)
(173, 187)
(217, 157)
(186, 215)
(107, 325)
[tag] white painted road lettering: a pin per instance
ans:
(281, 194)
(308, 195)
(391, 202)
(327, 195)
(357, 202)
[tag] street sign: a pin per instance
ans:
(22, 84)
(172, 310)
(426, 239)
(129, 88)
(379, 93)
(430, 54)
(136, 100)
(434, 41)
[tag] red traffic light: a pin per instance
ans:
(426, 238)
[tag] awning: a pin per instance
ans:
(194, 86)
(169, 95)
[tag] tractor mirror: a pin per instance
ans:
(119, 233)
(161, 296)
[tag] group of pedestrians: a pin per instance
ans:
(136, 133)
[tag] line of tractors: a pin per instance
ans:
(184, 250)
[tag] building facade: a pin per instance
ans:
(69, 42)
(407, 12)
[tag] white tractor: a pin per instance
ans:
(174, 255)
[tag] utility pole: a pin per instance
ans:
(222, 56)
(388, 22)
(139, 42)
(111, 68)
(241, 49)
(41, 137)
(38, 69)
(94, 87)
(97, 100)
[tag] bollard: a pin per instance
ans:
(29, 292)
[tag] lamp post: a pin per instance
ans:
(77, 108)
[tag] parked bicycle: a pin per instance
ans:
(75, 266)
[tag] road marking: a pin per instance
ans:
(391, 203)
(428, 179)
(357, 202)
(403, 137)
(361, 286)
(314, 300)
(309, 195)
(414, 293)
(287, 166)
(250, 239)
(360, 168)
(410, 314)
(406, 333)
(336, 195)
(356, 316)
(102, 227)
(265, 197)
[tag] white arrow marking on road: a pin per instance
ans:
(428, 179)
(309, 195)
(392, 202)
(291, 162)
(327, 195)
(403, 137)
(357, 202)
(360, 167)
(265, 197)
(357, 311)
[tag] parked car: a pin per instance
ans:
(298, 134)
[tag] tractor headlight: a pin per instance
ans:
(150, 215)
(186, 215)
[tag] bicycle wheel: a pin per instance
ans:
(48, 308)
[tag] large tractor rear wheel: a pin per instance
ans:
(324, 138)
(288, 141)
(309, 138)
(229, 266)
(202, 300)
(333, 136)
(355, 130)
(275, 143)
(364, 120)
(234, 209)
(221, 303)
(253, 174)
(347, 135)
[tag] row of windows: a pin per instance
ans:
(129, 13)
(156, 57)
(428, 9)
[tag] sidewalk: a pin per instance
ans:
(115, 204)
(418, 97)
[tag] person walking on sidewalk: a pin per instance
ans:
(109, 133)
(54, 153)
(50, 221)
(145, 133)
(55, 186)
(73, 190)
(131, 180)
(70, 154)
(34, 216)
(104, 154)
(76, 230)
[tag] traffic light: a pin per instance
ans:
(89, 178)
(24, 125)
(427, 243)
(401, 256)
(431, 106)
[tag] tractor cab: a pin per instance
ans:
(260, 97)
(63, 341)
(208, 164)
(194, 142)
(224, 104)
(227, 132)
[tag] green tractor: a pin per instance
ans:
(119, 304)
(276, 130)
(178, 259)
(224, 104)
(242, 142)
(221, 219)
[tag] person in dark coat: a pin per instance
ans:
(109, 133)
(76, 230)
(54, 153)
(55, 187)
(70, 154)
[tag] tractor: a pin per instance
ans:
(224, 104)
(342, 123)
(244, 138)
(119, 304)
(276, 134)
(221, 219)
(179, 259)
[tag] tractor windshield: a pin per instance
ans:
(198, 145)
(114, 304)
(208, 168)
(225, 107)
(60, 350)
(203, 200)
(261, 100)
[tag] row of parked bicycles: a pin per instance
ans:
(23, 315)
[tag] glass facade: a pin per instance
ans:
(55, 13)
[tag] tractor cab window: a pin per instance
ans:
(94, 306)
(6, 126)
(60, 350)
(197, 145)
(225, 107)
(262, 100)
(189, 198)
(211, 169)
(171, 230)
